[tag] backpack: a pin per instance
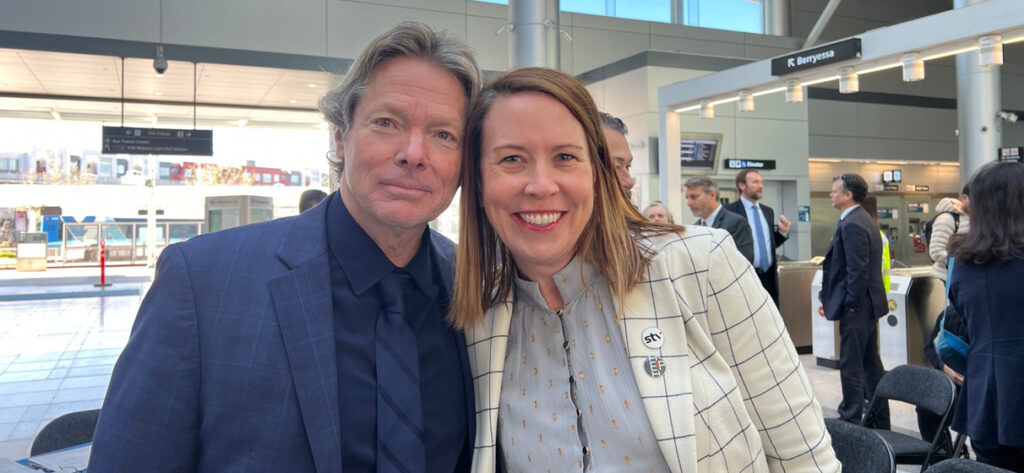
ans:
(926, 232)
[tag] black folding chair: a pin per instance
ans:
(959, 465)
(66, 431)
(928, 389)
(860, 449)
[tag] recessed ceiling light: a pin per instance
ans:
(293, 101)
(311, 85)
(158, 93)
(159, 75)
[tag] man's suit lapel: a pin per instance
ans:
(679, 447)
(302, 300)
(446, 263)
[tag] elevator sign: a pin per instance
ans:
(815, 57)
(129, 140)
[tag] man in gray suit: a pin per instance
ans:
(702, 198)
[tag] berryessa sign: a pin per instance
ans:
(816, 57)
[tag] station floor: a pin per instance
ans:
(58, 348)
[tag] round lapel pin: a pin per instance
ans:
(655, 366)
(653, 337)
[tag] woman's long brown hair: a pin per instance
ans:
(485, 272)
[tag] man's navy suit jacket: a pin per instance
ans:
(231, 363)
(739, 228)
(770, 278)
(852, 272)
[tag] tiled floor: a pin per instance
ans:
(56, 357)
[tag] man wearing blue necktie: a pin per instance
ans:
(767, 236)
(318, 343)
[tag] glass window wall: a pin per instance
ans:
(736, 15)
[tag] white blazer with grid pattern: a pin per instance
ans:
(734, 397)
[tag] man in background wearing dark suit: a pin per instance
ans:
(761, 219)
(311, 342)
(852, 293)
(702, 198)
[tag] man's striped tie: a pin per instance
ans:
(399, 405)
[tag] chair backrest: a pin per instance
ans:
(66, 431)
(959, 465)
(860, 449)
(923, 387)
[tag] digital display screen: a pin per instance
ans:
(699, 151)
(897, 175)
(886, 176)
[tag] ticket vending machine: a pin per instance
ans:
(236, 210)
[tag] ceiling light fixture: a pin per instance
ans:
(849, 83)
(883, 67)
(311, 85)
(725, 101)
(952, 52)
(794, 91)
(913, 67)
(158, 93)
(990, 50)
(707, 110)
(293, 101)
(820, 81)
(688, 109)
(769, 91)
(746, 101)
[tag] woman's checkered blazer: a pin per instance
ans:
(734, 397)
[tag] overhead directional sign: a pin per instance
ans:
(767, 164)
(129, 140)
(1012, 154)
(816, 57)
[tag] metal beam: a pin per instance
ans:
(819, 26)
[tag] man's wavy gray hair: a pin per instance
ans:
(407, 39)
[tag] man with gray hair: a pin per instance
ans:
(615, 134)
(310, 342)
(702, 198)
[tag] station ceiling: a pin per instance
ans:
(69, 86)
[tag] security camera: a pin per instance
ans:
(160, 63)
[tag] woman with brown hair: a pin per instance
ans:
(601, 341)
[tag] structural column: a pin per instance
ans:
(534, 33)
(978, 102)
(776, 17)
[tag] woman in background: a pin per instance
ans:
(658, 213)
(870, 205)
(601, 341)
(985, 288)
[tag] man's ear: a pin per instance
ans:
(339, 149)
